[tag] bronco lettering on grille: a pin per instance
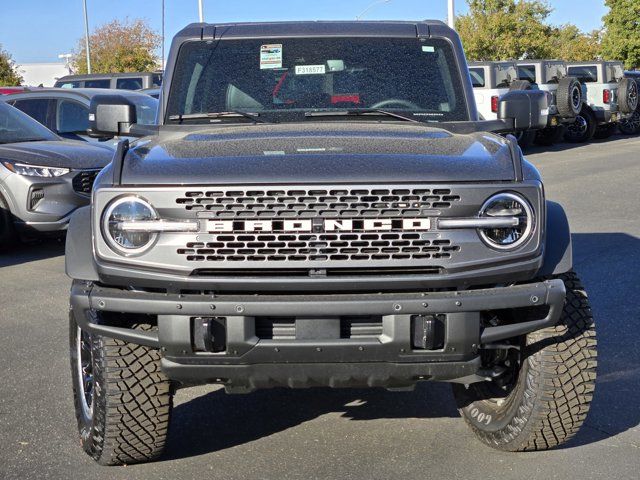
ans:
(320, 225)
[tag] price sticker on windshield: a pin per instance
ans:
(271, 56)
(310, 69)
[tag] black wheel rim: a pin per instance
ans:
(576, 98)
(85, 372)
(633, 95)
(578, 128)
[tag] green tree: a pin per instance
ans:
(569, 43)
(9, 77)
(621, 38)
(505, 29)
(128, 46)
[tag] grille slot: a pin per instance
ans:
(83, 181)
(351, 327)
(312, 203)
(325, 247)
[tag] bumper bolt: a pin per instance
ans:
(361, 348)
(425, 304)
(212, 307)
(397, 307)
(318, 349)
(534, 299)
(239, 308)
(179, 306)
(101, 304)
(458, 303)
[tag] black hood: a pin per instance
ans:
(325, 152)
(57, 153)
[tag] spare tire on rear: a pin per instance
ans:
(569, 97)
(628, 95)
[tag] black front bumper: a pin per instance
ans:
(389, 359)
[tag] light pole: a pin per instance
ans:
(86, 35)
(366, 10)
(200, 11)
(162, 50)
(452, 14)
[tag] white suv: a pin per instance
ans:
(565, 94)
(609, 98)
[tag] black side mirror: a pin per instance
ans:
(527, 109)
(111, 115)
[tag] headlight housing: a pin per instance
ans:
(507, 205)
(128, 209)
(35, 170)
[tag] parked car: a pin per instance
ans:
(631, 125)
(490, 81)
(66, 112)
(119, 81)
(565, 91)
(320, 205)
(43, 178)
(11, 90)
(609, 96)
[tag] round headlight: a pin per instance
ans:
(507, 205)
(123, 210)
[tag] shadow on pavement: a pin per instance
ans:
(608, 265)
(32, 251)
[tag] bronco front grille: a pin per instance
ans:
(317, 202)
(83, 181)
(324, 247)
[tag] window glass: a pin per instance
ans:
(146, 109)
(527, 72)
(15, 127)
(477, 77)
(585, 74)
(36, 108)
(286, 78)
(98, 83)
(67, 84)
(129, 83)
(73, 117)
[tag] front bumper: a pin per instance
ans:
(387, 359)
(42, 204)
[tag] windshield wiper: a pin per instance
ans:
(359, 112)
(213, 115)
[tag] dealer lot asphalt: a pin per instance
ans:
(344, 434)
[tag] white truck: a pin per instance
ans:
(610, 97)
(490, 81)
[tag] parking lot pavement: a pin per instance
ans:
(350, 434)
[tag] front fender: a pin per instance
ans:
(558, 254)
(79, 262)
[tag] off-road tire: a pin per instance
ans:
(631, 125)
(572, 136)
(628, 95)
(605, 131)
(553, 391)
(569, 97)
(7, 230)
(550, 135)
(132, 400)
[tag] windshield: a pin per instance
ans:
(16, 126)
(282, 79)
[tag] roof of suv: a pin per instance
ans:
(86, 93)
(385, 28)
(103, 75)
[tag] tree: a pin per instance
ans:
(621, 38)
(128, 46)
(9, 77)
(569, 43)
(505, 29)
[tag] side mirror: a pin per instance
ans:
(527, 109)
(111, 115)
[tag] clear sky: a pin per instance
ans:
(39, 30)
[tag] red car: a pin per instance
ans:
(10, 90)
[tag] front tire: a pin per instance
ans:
(122, 399)
(548, 400)
(7, 230)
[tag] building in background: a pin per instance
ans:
(45, 74)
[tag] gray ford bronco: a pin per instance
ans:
(320, 206)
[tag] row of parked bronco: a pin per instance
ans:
(586, 99)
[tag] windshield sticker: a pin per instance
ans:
(271, 56)
(310, 69)
(428, 49)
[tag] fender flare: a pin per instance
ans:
(79, 262)
(558, 253)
